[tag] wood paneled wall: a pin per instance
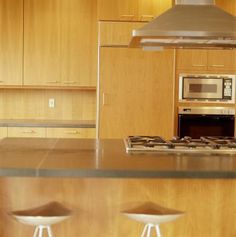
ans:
(209, 205)
(33, 104)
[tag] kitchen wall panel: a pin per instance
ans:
(33, 104)
(136, 92)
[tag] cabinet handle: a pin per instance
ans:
(71, 132)
(199, 65)
(1, 81)
(217, 65)
(52, 82)
(127, 16)
(69, 82)
(105, 99)
(143, 17)
(28, 131)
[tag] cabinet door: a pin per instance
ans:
(26, 132)
(3, 132)
(42, 57)
(191, 59)
(11, 43)
(71, 132)
(136, 93)
(79, 43)
(228, 6)
(221, 60)
(118, 10)
(117, 33)
(147, 10)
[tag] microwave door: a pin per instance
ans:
(202, 88)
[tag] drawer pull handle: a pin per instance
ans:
(71, 132)
(150, 17)
(52, 82)
(29, 131)
(217, 65)
(69, 82)
(127, 16)
(199, 65)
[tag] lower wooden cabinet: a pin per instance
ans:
(47, 132)
(71, 132)
(3, 132)
(26, 132)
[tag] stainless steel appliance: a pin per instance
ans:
(211, 88)
(189, 24)
(206, 121)
(209, 145)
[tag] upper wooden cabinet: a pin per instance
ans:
(11, 43)
(60, 42)
(117, 33)
(206, 60)
(131, 10)
(136, 92)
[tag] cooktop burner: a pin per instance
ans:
(186, 144)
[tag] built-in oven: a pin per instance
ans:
(196, 122)
(202, 87)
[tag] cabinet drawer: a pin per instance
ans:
(3, 132)
(71, 132)
(26, 132)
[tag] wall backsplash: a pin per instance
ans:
(33, 104)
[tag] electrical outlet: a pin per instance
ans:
(51, 103)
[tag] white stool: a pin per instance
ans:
(43, 217)
(152, 216)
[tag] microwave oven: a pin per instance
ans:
(207, 88)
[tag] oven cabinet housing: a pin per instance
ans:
(197, 125)
(136, 92)
(206, 60)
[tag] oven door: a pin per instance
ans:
(196, 126)
(202, 88)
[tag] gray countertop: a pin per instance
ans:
(42, 157)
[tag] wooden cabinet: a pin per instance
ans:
(11, 43)
(206, 60)
(60, 42)
(117, 33)
(229, 5)
(136, 93)
(3, 132)
(131, 10)
(26, 132)
(71, 132)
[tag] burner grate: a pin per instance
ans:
(185, 144)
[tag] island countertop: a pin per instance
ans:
(42, 157)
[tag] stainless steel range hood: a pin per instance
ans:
(189, 24)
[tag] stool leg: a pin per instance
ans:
(40, 231)
(49, 231)
(36, 231)
(149, 230)
(144, 230)
(158, 231)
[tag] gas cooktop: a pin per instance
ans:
(226, 145)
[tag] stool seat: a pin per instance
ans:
(43, 217)
(152, 215)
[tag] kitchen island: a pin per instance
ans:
(98, 179)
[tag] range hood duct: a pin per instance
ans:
(189, 24)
